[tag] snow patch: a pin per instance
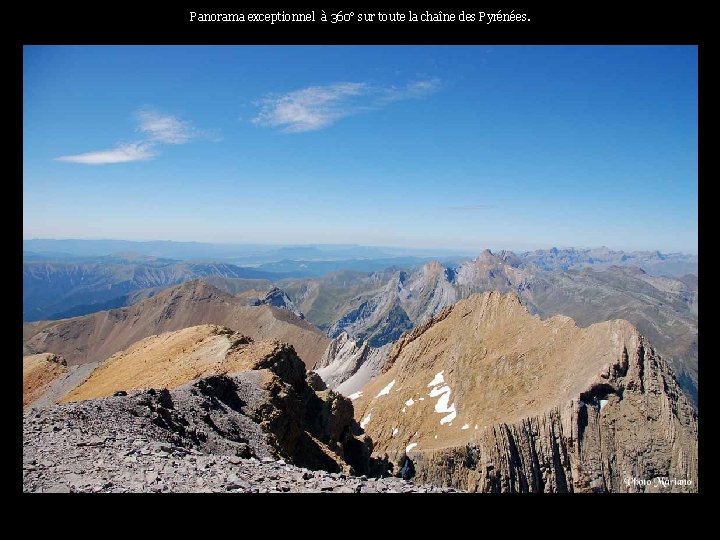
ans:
(449, 417)
(410, 447)
(603, 402)
(465, 426)
(385, 391)
(403, 409)
(439, 379)
(395, 431)
(409, 402)
(365, 421)
(475, 426)
(442, 403)
(421, 399)
(355, 395)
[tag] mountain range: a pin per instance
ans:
(55, 290)
(546, 371)
(95, 275)
(375, 308)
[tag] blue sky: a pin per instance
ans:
(418, 146)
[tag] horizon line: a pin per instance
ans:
(387, 246)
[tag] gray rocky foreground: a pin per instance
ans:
(108, 445)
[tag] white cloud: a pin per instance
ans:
(316, 107)
(158, 128)
(164, 129)
(120, 154)
(310, 108)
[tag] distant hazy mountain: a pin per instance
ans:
(240, 254)
(54, 290)
(305, 268)
(653, 262)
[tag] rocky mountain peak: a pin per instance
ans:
(488, 397)
(276, 297)
(486, 259)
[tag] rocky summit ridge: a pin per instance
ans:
(254, 419)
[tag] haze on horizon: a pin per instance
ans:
(466, 148)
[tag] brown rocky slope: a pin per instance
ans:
(97, 336)
(486, 397)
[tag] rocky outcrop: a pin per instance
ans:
(640, 442)
(277, 298)
(493, 399)
(266, 427)
(263, 408)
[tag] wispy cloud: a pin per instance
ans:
(310, 108)
(471, 207)
(120, 154)
(412, 90)
(158, 129)
(317, 107)
(165, 129)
